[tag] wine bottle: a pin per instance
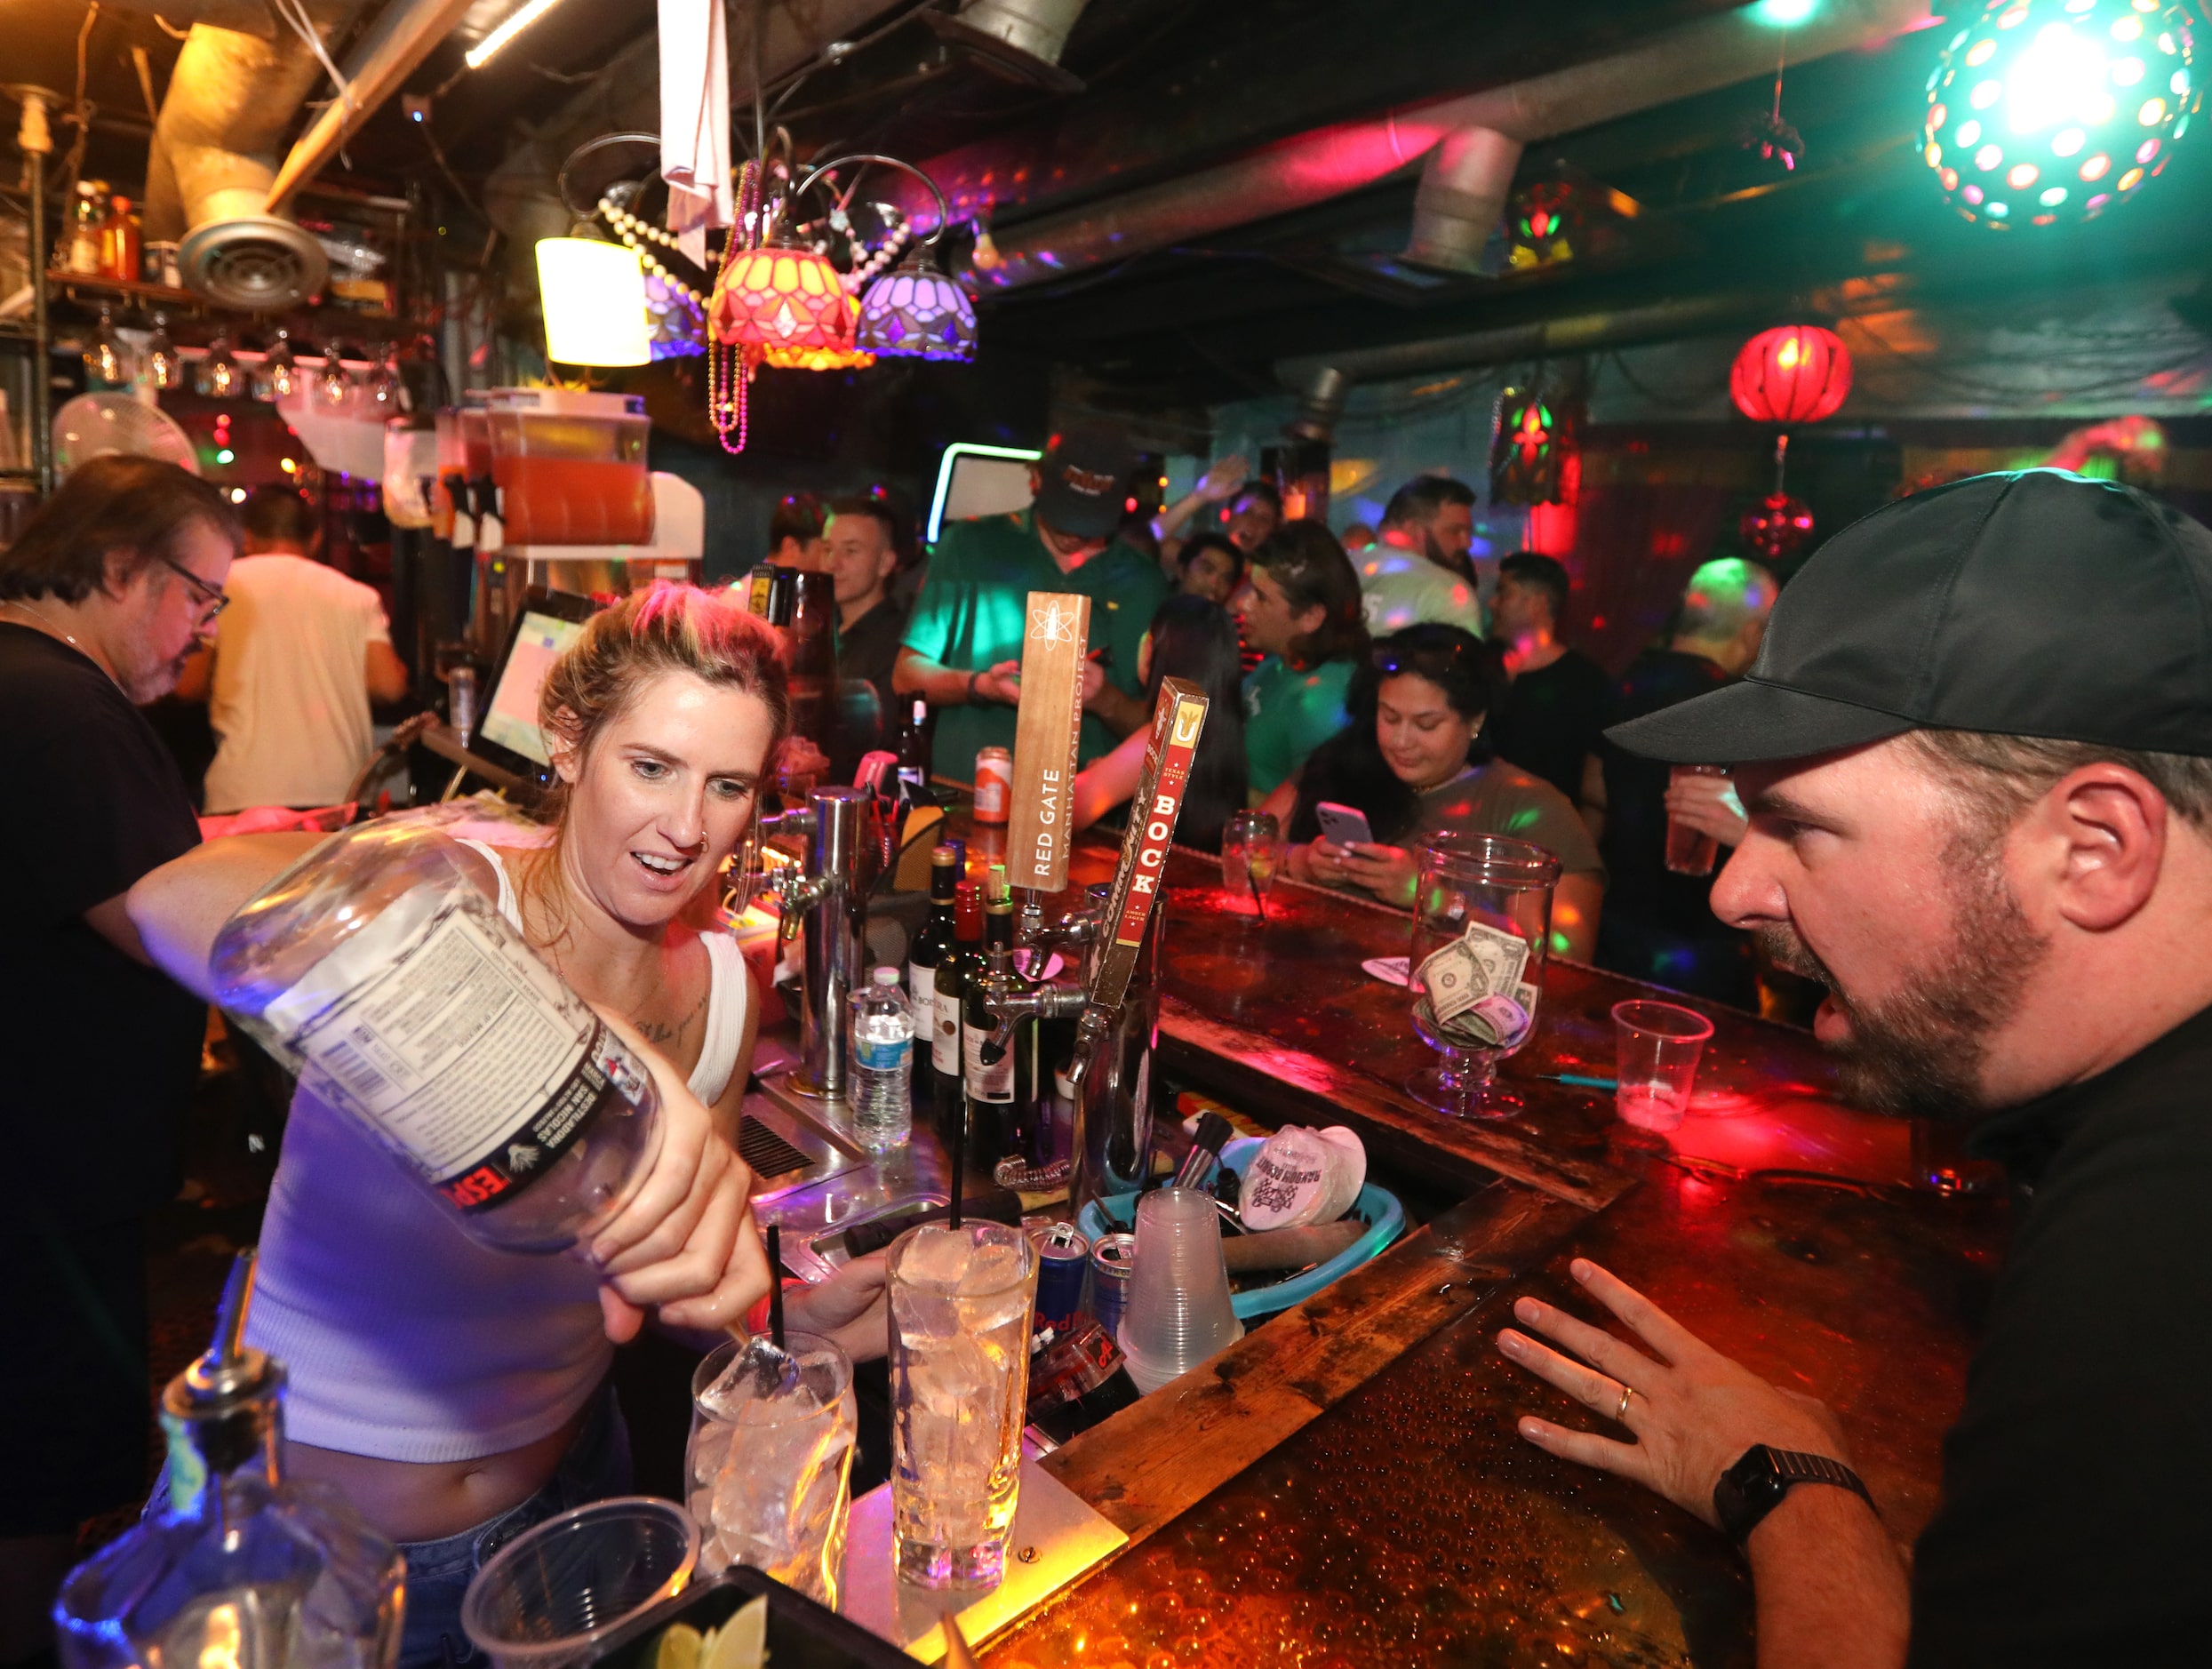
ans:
(947, 1055)
(936, 936)
(990, 1085)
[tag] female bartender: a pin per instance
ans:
(459, 1394)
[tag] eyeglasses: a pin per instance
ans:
(212, 599)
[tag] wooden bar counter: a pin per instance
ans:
(1345, 1486)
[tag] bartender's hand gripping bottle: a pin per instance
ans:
(392, 985)
(241, 1566)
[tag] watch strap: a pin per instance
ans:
(1754, 1486)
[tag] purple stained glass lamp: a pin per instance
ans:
(916, 312)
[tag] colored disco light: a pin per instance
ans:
(2033, 108)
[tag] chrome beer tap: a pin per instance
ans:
(828, 899)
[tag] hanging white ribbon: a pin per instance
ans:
(695, 121)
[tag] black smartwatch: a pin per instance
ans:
(1754, 1486)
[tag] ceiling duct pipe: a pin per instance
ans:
(1020, 39)
(231, 101)
(1544, 339)
(1320, 403)
(401, 40)
(1295, 173)
(1461, 193)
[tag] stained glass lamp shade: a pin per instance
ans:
(822, 358)
(1796, 374)
(782, 296)
(916, 312)
(2043, 111)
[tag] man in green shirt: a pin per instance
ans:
(964, 641)
(1419, 568)
(1304, 618)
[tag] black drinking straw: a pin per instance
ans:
(1252, 881)
(775, 1286)
(959, 1157)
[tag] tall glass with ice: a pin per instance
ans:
(959, 1307)
(769, 1468)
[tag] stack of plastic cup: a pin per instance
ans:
(1180, 1311)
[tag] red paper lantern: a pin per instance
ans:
(1797, 373)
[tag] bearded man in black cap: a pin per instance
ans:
(1976, 754)
(962, 649)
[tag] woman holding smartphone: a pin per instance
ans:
(1408, 768)
(458, 1393)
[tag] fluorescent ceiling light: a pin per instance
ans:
(481, 53)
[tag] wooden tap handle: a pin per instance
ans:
(1048, 732)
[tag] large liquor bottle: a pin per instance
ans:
(241, 1566)
(992, 1106)
(393, 987)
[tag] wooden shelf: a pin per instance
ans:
(58, 279)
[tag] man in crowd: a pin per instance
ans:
(1418, 568)
(963, 643)
(1556, 703)
(1976, 753)
(299, 656)
(1254, 510)
(102, 597)
(795, 533)
(1212, 566)
(1659, 925)
(863, 552)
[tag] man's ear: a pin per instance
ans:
(2096, 842)
(1311, 619)
(119, 570)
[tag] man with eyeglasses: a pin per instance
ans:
(111, 587)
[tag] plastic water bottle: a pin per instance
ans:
(882, 1062)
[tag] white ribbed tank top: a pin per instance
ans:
(404, 1339)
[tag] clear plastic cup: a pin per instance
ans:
(1251, 854)
(552, 1594)
(1657, 1046)
(1180, 1311)
(767, 1470)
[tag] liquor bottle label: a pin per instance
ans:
(460, 1049)
(993, 1083)
(944, 1037)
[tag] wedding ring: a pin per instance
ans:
(1620, 1414)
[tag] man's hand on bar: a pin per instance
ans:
(685, 1243)
(1831, 1586)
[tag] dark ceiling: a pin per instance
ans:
(1171, 87)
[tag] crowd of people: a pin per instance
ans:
(1386, 671)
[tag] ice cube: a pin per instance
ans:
(990, 1268)
(948, 1375)
(787, 1403)
(936, 1257)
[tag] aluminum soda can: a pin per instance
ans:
(460, 684)
(1063, 1255)
(1112, 1259)
(995, 784)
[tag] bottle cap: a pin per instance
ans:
(944, 854)
(885, 974)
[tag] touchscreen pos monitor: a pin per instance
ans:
(508, 734)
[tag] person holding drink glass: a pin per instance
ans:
(1408, 765)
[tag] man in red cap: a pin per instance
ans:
(1976, 754)
(962, 649)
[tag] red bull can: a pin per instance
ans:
(1063, 1255)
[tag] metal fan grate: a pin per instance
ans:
(766, 1153)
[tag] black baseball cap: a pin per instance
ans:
(1082, 480)
(2036, 603)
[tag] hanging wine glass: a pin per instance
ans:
(165, 369)
(220, 377)
(333, 387)
(380, 387)
(103, 355)
(279, 374)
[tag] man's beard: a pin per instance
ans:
(143, 684)
(1921, 1050)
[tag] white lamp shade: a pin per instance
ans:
(594, 301)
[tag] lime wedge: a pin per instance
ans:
(741, 1642)
(679, 1647)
